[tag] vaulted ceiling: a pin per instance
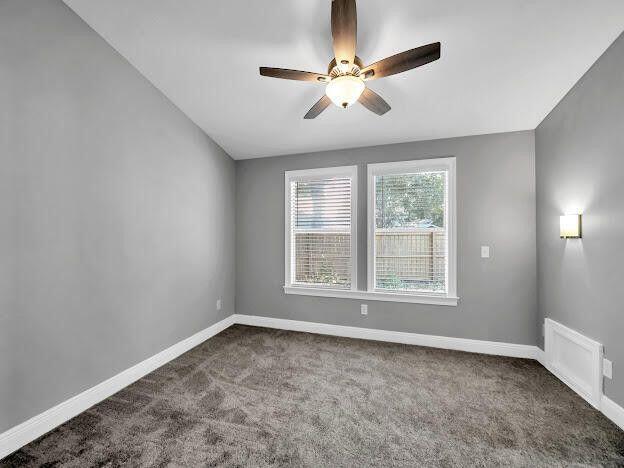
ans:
(505, 64)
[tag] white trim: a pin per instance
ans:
(437, 164)
(540, 357)
(372, 295)
(354, 223)
(313, 174)
(612, 410)
(452, 228)
(419, 165)
(444, 342)
(36, 426)
(370, 228)
(26, 432)
(575, 359)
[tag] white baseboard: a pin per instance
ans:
(540, 356)
(612, 410)
(444, 342)
(36, 426)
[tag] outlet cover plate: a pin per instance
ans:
(485, 251)
(607, 368)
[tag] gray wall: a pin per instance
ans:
(117, 226)
(496, 207)
(580, 164)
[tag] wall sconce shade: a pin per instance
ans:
(570, 226)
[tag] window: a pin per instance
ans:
(411, 235)
(320, 228)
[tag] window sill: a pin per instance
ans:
(372, 295)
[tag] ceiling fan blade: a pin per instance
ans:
(317, 108)
(344, 30)
(287, 74)
(402, 62)
(374, 102)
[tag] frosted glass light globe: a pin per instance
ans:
(345, 90)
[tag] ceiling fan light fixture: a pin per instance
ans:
(345, 90)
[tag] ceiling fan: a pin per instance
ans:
(346, 74)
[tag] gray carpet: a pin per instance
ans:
(258, 397)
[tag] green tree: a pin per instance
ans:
(410, 200)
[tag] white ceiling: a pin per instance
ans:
(505, 64)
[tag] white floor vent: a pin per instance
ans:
(575, 359)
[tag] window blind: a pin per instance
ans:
(410, 232)
(321, 232)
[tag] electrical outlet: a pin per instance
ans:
(485, 251)
(607, 368)
(219, 304)
(364, 309)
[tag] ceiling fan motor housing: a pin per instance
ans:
(334, 69)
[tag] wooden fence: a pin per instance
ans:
(403, 257)
(406, 257)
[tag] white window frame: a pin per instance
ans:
(405, 167)
(315, 174)
(448, 299)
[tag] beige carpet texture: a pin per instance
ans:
(259, 397)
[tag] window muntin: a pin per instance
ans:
(320, 228)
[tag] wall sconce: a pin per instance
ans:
(570, 226)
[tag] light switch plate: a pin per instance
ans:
(607, 368)
(485, 251)
(218, 304)
(364, 309)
